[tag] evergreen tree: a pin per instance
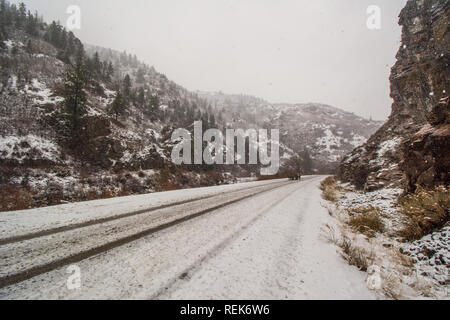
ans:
(198, 116)
(56, 35)
(80, 56)
(190, 116)
(51, 34)
(2, 39)
(70, 46)
(307, 162)
(2, 8)
(118, 106)
(2, 20)
(212, 121)
(3, 35)
(140, 76)
(154, 102)
(62, 43)
(75, 81)
(295, 166)
(22, 16)
(89, 67)
(5, 17)
(205, 121)
(126, 87)
(32, 24)
(96, 64)
(123, 59)
(140, 99)
(220, 117)
(64, 55)
(29, 46)
(109, 71)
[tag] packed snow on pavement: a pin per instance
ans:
(269, 246)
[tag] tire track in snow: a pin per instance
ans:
(216, 250)
(32, 272)
(75, 226)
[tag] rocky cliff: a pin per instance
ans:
(413, 147)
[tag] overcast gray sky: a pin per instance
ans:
(281, 50)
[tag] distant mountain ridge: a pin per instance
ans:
(43, 162)
(327, 132)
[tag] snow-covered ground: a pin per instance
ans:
(34, 220)
(266, 246)
(414, 270)
(384, 199)
(280, 254)
(431, 255)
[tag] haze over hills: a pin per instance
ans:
(122, 146)
(328, 133)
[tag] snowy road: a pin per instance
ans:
(259, 240)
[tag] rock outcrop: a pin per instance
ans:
(412, 148)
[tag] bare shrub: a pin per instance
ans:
(165, 181)
(214, 177)
(107, 194)
(168, 186)
(54, 193)
(124, 191)
(427, 211)
(135, 186)
(13, 197)
(93, 195)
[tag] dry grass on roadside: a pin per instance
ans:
(391, 287)
(327, 183)
(365, 254)
(427, 210)
(353, 254)
(366, 220)
(364, 240)
(329, 189)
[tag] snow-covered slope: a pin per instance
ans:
(43, 163)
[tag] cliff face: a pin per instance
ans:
(413, 146)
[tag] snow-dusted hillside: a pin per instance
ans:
(328, 133)
(39, 163)
(43, 161)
